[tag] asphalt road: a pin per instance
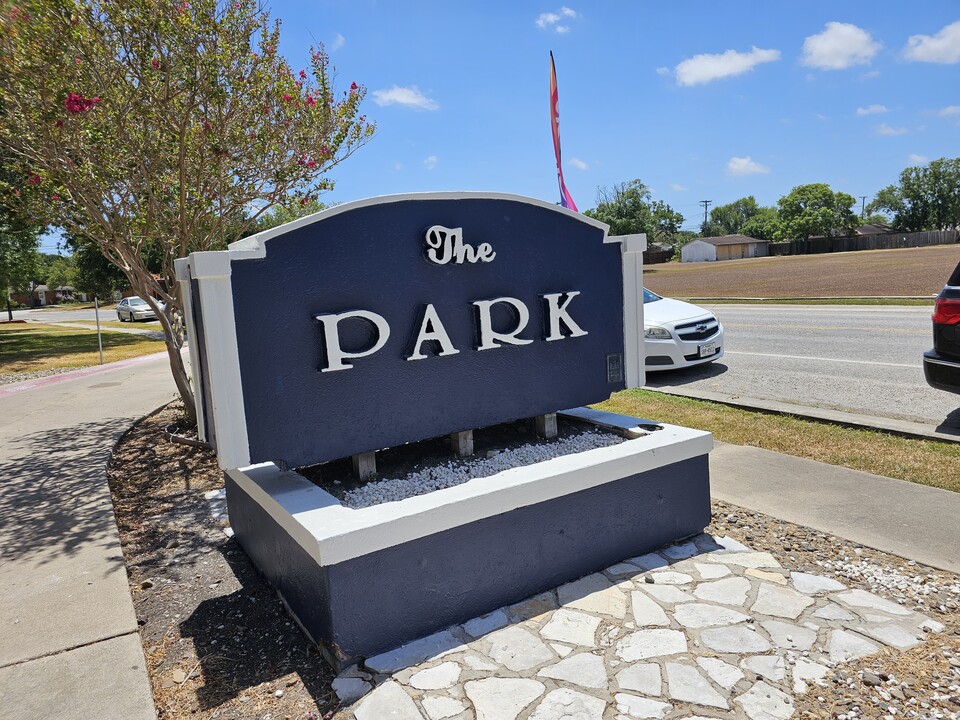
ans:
(67, 315)
(863, 359)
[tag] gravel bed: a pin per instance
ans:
(9, 378)
(457, 472)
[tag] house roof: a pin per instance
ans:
(731, 240)
(875, 229)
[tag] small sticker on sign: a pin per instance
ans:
(615, 368)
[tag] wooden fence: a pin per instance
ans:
(651, 257)
(887, 241)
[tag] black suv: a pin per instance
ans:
(941, 366)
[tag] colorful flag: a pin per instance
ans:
(565, 198)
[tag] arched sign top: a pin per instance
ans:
(405, 317)
(255, 244)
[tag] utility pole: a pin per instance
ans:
(706, 204)
(863, 205)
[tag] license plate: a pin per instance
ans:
(708, 349)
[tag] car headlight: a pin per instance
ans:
(656, 333)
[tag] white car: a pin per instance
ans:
(136, 308)
(677, 334)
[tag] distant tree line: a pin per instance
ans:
(926, 198)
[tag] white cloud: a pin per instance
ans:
(821, 117)
(677, 187)
(872, 110)
(888, 131)
(578, 164)
(870, 75)
(839, 46)
(553, 20)
(950, 111)
(664, 71)
(338, 42)
(917, 159)
(431, 162)
(944, 47)
(705, 68)
(737, 166)
(406, 96)
(398, 167)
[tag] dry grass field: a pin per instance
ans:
(889, 273)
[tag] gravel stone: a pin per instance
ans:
(453, 473)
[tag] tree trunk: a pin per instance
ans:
(9, 309)
(179, 371)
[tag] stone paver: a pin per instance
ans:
(502, 698)
(642, 677)
(585, 670)
(574, 627)
(567, 704)
(707, 624)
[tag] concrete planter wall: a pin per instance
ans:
(364, 581)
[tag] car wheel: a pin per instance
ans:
(119, 317)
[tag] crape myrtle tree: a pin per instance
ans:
(20, 259)
(144, 128)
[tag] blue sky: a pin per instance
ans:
(700, 100)
(845, 93)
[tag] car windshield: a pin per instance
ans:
(137, 301)
(649, 297)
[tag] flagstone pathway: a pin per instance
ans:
(705, 629)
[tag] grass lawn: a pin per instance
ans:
(927, 462)
(139, 325)
(31, 347)
(889, 273)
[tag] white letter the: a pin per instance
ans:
(431, 329)
(557, 313)
(490, 339)
(331, 338)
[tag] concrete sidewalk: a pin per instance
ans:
(69, 646)
(913, 521)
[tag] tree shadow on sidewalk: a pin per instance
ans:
(53, 493)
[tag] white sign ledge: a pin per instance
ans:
(332, 533)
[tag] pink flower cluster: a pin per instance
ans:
(77, 104)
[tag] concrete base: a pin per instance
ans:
(364, 581)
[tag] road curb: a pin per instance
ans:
(854, 420)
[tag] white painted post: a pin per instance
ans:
(635, 358)
(182, 272)
(365, 465)
(546, 426)
(462, 443)
(212, 272)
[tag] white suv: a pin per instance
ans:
(678, 334)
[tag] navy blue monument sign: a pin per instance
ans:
(388, 321)
(397, 319)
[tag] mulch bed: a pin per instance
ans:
(219, 644)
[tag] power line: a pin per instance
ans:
(706, 204)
